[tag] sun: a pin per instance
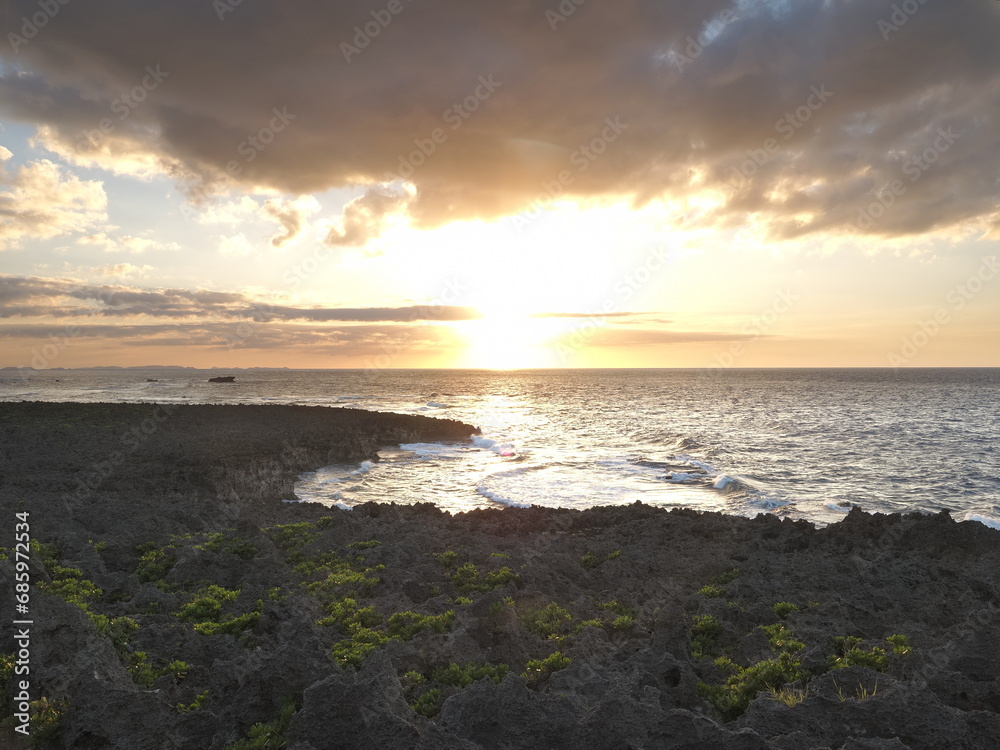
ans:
(510, 337)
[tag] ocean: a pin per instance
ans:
(798, 443)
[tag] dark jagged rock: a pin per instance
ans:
(199, 485)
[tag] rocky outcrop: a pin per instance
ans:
(673, 629)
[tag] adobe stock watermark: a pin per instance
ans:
(47, 10)
(623, 290)
(901, 14)
(222, 7)
(263, 312)
(123, 106)
(449, 295)
(455, 116)
(757, 327)
(365, 33)
(255, 143)
(581, 158)
(915, 167)
(787, 126)
(955, 301)
(696, 45)
(43, 356)
(563, 11)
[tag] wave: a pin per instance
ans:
(504, 450)
(993, 523)
(498, 498)
(840, 506)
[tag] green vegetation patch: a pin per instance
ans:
(539, 670)
(705, 632)
(591, 561)
(468, 579)
(732, 697)
(363, 640)
(270, 736)
(426, 693)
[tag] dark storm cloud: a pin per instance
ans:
(34, 297)
(802, 113)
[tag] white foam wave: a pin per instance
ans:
(498, 498)
(681, 476)
(365, 467)
(841, 506)
(993, 523)
(501, 449)
(722, 481)
(438, 405)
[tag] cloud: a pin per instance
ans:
(237, 246)
(366, 216)
(125, 243)
(35, 297)
(698, 91)
(40, 200)
(290, 214)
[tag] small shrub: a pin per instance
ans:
(733, 697)
(705, 632)
(848, 651)
(448, 558)
(268, 736)
(197, 703)
(428, 704)
(551, 621)
(712, 591)
(537, 670)
(461, 676)
(725, 577)
(900, 644)
(364, 545)
(783, 609)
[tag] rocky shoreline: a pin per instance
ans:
(178, 603)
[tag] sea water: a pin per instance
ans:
(799, 443)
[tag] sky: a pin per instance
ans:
(445, 183)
